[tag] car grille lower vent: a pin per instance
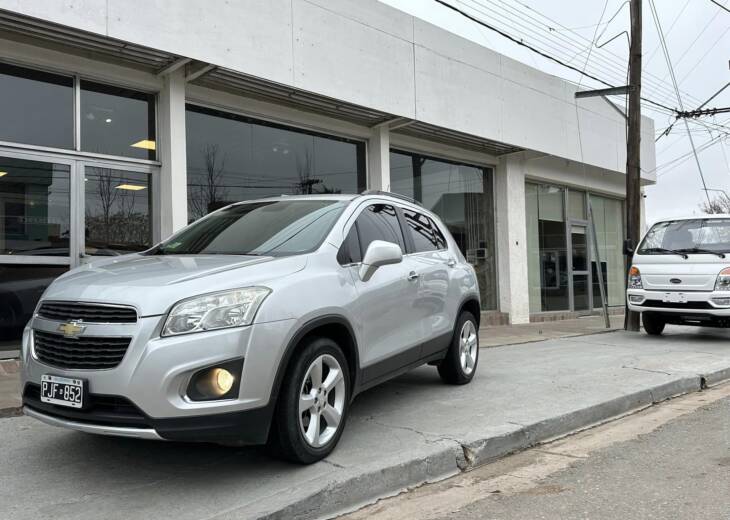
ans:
(86, 353)
(87, 312)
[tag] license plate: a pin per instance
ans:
(674, 297)
(62, 391)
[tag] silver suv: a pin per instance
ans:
(258, 323)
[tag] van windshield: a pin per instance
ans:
(695, 236)
(271, 228)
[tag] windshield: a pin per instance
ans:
(700, 235)
(272, 228)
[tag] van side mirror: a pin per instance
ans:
(378, 254)
(629, 247)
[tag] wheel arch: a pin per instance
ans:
(471, 304)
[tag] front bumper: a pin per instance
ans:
(145, 395)
(699, 309)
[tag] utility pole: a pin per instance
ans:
(633, 152)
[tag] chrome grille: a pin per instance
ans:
(87, 312)
(89, 353)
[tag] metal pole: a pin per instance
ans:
(601, 286)
(633, 151)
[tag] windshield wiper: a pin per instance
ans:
(663, 250)
(700, 250)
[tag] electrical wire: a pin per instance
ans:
(538, 51)
(720, 5)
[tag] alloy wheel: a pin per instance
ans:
(468, 347)
(321, 401)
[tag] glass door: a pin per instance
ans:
(117, 216)
(579, 263)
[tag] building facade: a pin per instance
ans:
(122, 121)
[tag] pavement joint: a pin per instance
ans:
(648, 370)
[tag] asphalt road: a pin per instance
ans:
(672, 461)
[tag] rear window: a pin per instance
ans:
(687, 236)
(425, 234)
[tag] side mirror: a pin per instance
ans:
(629, 247)
(379, 253)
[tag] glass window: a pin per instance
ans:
(21, 286)
(36, 107)
(349, 252)
(117, 211)
(232, 158)
(424, 232)
(463, 197)
(34, 207)
(117, 121)
(688, 236)
(379, 222)
(577, 205)
(608, 220)
(276, 228)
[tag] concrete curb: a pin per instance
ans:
(457, 456)
(14, 411)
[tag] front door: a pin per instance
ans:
(579, 264)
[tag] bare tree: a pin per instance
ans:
(107, 195)
(716, 205)
(210, 192)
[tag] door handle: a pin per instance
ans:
(451, 262)
(413, 275)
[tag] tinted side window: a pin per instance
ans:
(349, 252)
(425, 234)
(379, 222)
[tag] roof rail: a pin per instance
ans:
(391, 194)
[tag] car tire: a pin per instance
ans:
(653, 324)
(295, 437)
(462, 358)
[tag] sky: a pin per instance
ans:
(697, 33)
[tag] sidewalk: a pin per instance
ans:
(401, 434)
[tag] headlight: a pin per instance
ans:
(635, 278)
(220, 310)
(723, 280)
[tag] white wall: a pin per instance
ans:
(368, 53)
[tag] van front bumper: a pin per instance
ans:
(700, 308)
(145, 395)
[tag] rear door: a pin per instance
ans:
(429, 262)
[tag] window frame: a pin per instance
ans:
(77, 77)
(432, 224)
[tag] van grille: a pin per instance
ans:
(88, 353)
(87, 312)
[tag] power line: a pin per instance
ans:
(538, 51)
(607, 61)
(718, 4)
(676, 89)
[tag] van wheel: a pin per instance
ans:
(460, 363)
(653, 324)
(313, 403)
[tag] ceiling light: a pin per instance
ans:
(144, 143)
(2, 174)
(108, 120)
(131, 187)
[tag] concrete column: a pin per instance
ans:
(512, 239)
(379, 158)
(173, 196)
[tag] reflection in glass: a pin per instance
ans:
(462, 196)
(21, 286)
(117, 121)
(36, 107)
(117, 211)
(608, 219)
(34, 207)
(231, 158)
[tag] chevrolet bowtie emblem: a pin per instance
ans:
(71, 329)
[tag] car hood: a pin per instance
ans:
(153, 283)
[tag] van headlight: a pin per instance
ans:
(635, 278)
(220, 310)
(723, 280)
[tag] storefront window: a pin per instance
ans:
(117, 219)
(36, 107)
(608, 218)
(34, 207)
(233, 158)
(117, 121)
(462, 196)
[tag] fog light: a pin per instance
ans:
(216, 382)
(723, 302)
(636, 298)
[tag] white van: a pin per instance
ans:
(681, 274)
